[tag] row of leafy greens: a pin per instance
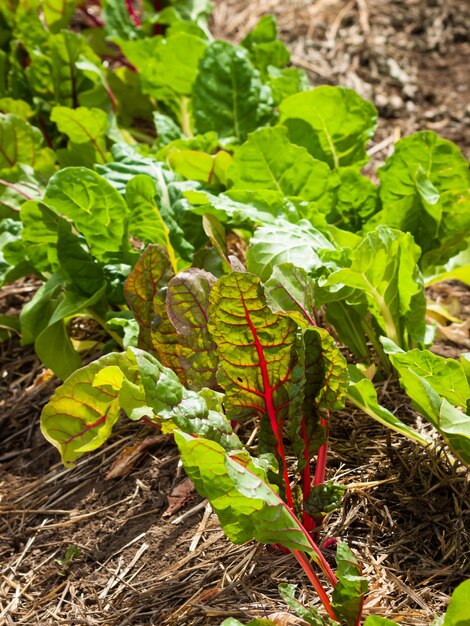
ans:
(131, 149)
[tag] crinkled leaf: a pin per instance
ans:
(256, 350)
(384, 268)
(424, 189)
(323, 356)
(348, 595)
(298, 244)
(286, 82)
(228, 94)
(324, 499)
(362, 393)
(355, 200)
(39, 236)
(96, 208)
(268, 160)
(333, 123)
(187, 301)
(290, 289)
(145, 291)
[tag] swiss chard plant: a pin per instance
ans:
(245, 367)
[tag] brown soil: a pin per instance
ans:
(406, 510)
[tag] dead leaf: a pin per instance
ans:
(457, 333)
(286, 619)
(130, 455)
(179, 496)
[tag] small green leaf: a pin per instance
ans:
(19, 142)
(348, 595)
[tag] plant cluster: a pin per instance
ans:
(129, 150)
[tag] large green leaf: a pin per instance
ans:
(424, 189)
(298, 244)
(164, 65)
(384, 268)
(81, 414)
(362, 393)
(268, 160)
(83, 126)
(96, 208)
(247, 506)
(333, 123)
(228, 94)
(187, 302)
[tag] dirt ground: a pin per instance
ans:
(78, 548)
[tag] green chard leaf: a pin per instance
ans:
(425, 190)
(167, 66)
(432, 383)
(19, 142)
(83, 126)
(268, 160)
(146, 222)
(290, 289)
(82, 413)
(333, 123)
(348, 595)
(229, 96)
(384, 268)
(248, 507)
(298, 244)
(118, 24)
(362, 393)
(95, 207)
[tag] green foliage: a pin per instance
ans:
(229, 96)
(333, 123)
